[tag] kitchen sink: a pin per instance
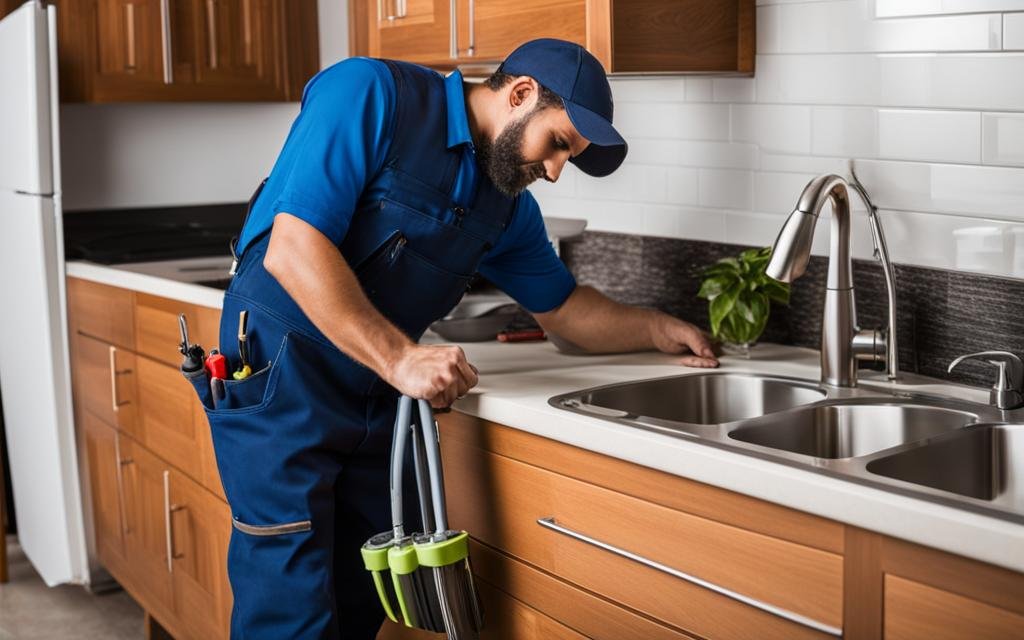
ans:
(850, 429)
(696, 399)
(985, 462)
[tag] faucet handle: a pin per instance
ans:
(1008, 391)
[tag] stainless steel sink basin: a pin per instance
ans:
(847, 430)
(985, 462)
(696, 399)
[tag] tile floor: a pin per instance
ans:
(29, 610)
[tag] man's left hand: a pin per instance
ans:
(672, 335)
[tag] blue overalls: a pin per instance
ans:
(303, 443)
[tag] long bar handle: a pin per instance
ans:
(165, 28)
(129, 21)
(471, 51)
(550, 523)
(453, 19)
(211, 27)
(115, 402)
(121, 464)
(168, 528)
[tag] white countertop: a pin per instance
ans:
(516, 381)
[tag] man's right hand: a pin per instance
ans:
(437, 373)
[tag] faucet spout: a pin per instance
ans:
(842, 343)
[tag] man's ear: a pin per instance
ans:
(524, 92)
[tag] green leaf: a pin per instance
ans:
(776, 291)
(726, 266)
(714, 286)
(720, 307)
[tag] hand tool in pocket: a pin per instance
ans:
(216, 364)
(430, 573)
(193, 353)
(244, 369)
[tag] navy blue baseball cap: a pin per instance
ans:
(576, 76)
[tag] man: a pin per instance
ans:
(395, 186)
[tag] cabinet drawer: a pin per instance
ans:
(500, 501)
(101, 311)
(103, 378)
(914, 610)
(166, 410)
(156, 327)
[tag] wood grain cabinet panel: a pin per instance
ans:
(915, 611)
(639, 36)
(102, 312)
(103, 458)
(200, 529)
(104, 382)
(501, 500)
(166, 411)
(186, 50)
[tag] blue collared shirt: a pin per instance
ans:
(338, 144)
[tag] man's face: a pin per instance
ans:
(535, 145)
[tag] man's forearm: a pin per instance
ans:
(314, 273)
(598, 324)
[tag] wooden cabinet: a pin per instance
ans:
(186, 50)
(642, 36)
(160, 519)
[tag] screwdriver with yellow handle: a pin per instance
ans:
(243, 348)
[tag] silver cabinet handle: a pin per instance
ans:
(549, 523)
(211, 27)
(129, 21)
(121, 464)
(165, 24)
(471, 51)
(453, 19)
(116, 404)
(247, 30)
(169, 530)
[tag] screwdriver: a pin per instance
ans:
(245, 369)
(193, 353)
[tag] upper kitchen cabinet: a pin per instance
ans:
(186, 50)
(638, 36)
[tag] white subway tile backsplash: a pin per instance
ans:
(936, 136)
(733, 89)
(667, 89)
(693, 153)
(699, 90)
(682, 185)
(848, 26)
(966, 190)
(1003, 138)
(927, 95)
(1013, 32)
(983, 81)
(725, 188)
(782, 128)
(844, 131)
(667, 120)
(896, 8)
(778, 192)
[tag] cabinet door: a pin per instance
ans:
(133, 47)
(200, 531)
(413, 30)
(104, 382)
(238, 47)
(106, 489)
(499, 26)
(147, 510)
(166, 415)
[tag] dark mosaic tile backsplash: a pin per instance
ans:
(941, 314)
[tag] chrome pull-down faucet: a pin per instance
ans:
(843, 343)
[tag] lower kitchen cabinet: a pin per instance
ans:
(534, 507)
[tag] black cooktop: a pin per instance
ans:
(144, 235)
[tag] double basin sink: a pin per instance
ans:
(945, 450)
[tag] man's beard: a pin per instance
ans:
(503, 159)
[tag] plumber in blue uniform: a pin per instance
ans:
(394, 187)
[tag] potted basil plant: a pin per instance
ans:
(739, 296)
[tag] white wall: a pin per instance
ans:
(159, 154)
(931, 106)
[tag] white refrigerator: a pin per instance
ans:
(35, 381)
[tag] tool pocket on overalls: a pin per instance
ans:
(248, 394)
